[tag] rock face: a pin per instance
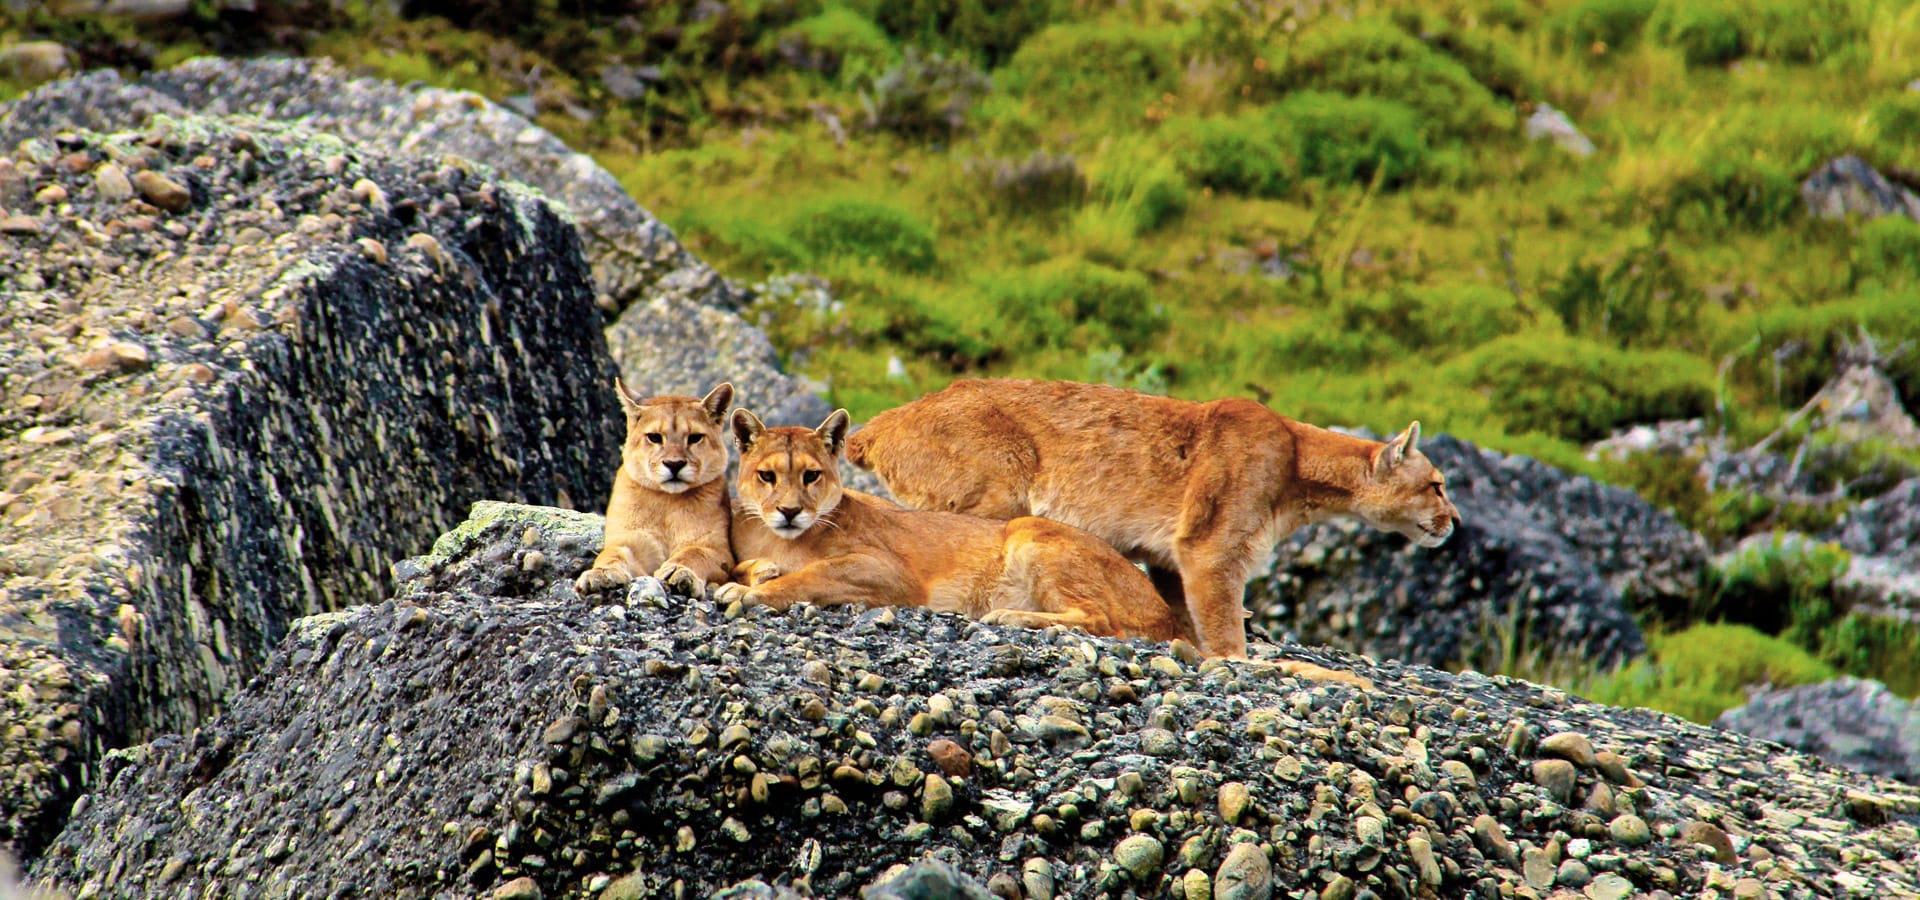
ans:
(242, 366)
(488, 732)
(1849, 722)
(670, 305)
(1553, 560)
(1848, 186)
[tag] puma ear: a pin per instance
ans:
(1394, 451)
(628, 398)
(833, 432)
(746, 428)
(717, 401)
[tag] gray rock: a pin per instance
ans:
(929, 879)
(1559, 559)
(1246, 874)
(1849, 722)
(1550, 124)
(674, 345)
(429, 709)
(1885, 526)
(1848, 186)
(225, 436)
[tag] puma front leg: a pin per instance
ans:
(695, 567)
(618, 564)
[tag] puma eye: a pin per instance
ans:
(811, 476)
(653, 437)
(694, 439)
(768, 477)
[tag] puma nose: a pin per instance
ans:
(790, 512)
(674, 466)
(1455, 516)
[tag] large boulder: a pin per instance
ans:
(1849, 722)
(672, 309)
(1544, 564)
(489, 732)
(243, 366)
(1850, 186)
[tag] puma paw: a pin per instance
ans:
(758, 571)
(681, 580)
(729, 592)
(604, 578)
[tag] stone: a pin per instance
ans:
(1062, 732)
(936, 799)
(1572, 873)
(1234, 800)
(1140, 855)
(34, 61)
(1849, 186)
(952, 758)
(1570, 746)
(1538, 869)
(1711, 836)
(162, 191)
(1491, 840)
(1630, 830)
(928, 879)
(1246, 874)
(1428, 868)
(1849, 722)
(1557, 776)
(522, 888)
(1549, 124)
(1609, 886)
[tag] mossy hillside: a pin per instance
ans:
(1336, 212)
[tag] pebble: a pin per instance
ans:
(936, 799)
(1063, 732)
(953, 759)
(1234, 800)
(1573, 873)
(1424, 862)
(162, 191)
(1537, 867)
(110, 182)
(1630, 830)
(522, 888)
(1036, 878)
(1196, 885)
(1570, 746)
(50, 195)
(1140, 855)
(1159, 742)
(1557, 776)
(1340, 888)
(1709, 835)
(1246, 874)
(1609, 887)
(1615, 769)
(1492, 841)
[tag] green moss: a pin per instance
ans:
(1089, 69)
(1141, 185)
(848, 44)
(1708, 33)
(1353, 139)
(889, 234)
(1247, 154)
(1373, 57)
(1072, 303)
(1613, 24)
(1581, 390)
(1705, 670)
(1887, 254)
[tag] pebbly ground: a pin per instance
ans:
(489, 732)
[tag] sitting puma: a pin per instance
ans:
(802, 538)
(668, 515)
(1200, 492)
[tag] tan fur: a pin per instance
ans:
(802, 538)
(1200, 492)
(662, 522)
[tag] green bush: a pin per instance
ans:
(1361, 329)
(890, 235)
(1749, 169)
(906, 317)
(989, 30)
(1776, 585)
(925, 95)
(1642, 299)
(1805, 31)
(1142, 183)
(1041, 183)
(1897, 118)
(1247, 154)
(1615, 23)
(1095, 67)
(754, 246)
(842, 43)
(1352, 138)
(1887, 253)
(1706, 32)
(1580, 390)
(1705, 670)
(1807, 342)
(1079, 305)
(1373, 57)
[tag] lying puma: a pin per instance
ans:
(1197, 491)
(802, 538)
(668, 515)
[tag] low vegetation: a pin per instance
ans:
(1332, 207)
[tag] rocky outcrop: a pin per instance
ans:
(1546, 562)
(669, 304)
(242, 366)
(1849, 186)
(488, 732)
(1849, 722)
(1883, 534)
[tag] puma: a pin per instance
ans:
(1199, 492)
(803, 538)
(668, 516)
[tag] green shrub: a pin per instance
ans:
(1776, 585)
(1749, 167)
(1887, 253)
(890, 235)
(1352, 138)
(1142, 183)
(921, 325)
(1807, 343)
(990, 30)
(1040, 183)
(1075, 304)
(1706, 32)
(1897, 118)
(1095, 67)
(1364, 328)
(1373, 57)
(753, 246)
(1705, 670)
(1580, 390)
(1805, 31)
(1615, 23)
(1246, 154)
(841, 42)
(1642, 299)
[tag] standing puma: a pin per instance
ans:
(1200, 492)
(668, 515)
(802, 538)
